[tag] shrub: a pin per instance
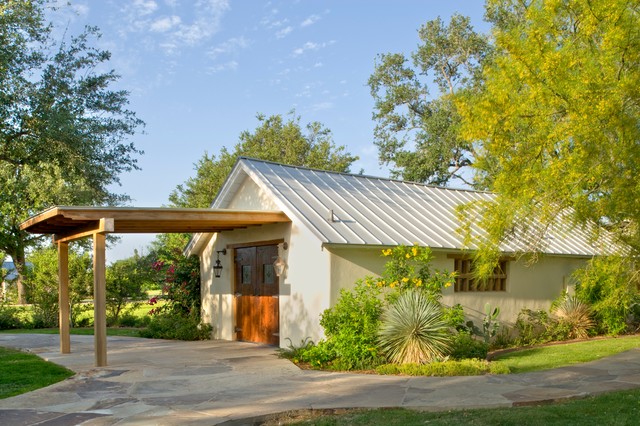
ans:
(574, 316)
(532, 327)
(465, 346)
(410, 268)
(413, 330)
(610, 286)
(350, 328)
(10, 317)
(467, 367)
(178, 327)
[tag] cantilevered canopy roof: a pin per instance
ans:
(66, 222)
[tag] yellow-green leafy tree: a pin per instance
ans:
(557, 122)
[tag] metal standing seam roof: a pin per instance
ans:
(345, 208)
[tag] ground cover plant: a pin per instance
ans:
(21, 372)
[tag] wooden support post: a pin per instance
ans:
(63, 297)
(100, 299)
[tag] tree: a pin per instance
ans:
(273, 140)
(42, 284)
(558, 119)
(416, 131)
(126, 280)
(63, 130)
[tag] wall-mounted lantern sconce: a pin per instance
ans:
(279, 265)
(217, 268)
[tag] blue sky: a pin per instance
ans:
(199, 71)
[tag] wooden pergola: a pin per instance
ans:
(72, 223)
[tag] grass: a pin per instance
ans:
(554, 356)
(22, 372)
(615, 408)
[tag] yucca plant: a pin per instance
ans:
(575, 315)
(413, 330)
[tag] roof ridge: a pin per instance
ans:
(363, 176)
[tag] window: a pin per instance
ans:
(465, 281)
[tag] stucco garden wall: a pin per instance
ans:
(533, 287)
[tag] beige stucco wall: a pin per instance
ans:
(304, 288)
(532, 287)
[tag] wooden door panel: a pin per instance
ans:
(257, 289)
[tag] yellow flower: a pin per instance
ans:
(408, 256)
(418, 283)
(447, 285)
(414, 251)
(386, 252)
(393, 284)
(405, 279)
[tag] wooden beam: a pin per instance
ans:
(99, 299)
(103, 225)
(63, 297)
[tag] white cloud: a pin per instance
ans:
(141, 16)
(322, 106)
(284, 32)
(231, 46)
(145, 7)
(165, 24)
(310, 21)
(311, 46)
(228, 66)
(318, 65)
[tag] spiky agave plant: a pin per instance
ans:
(576, 315)
(413, 330)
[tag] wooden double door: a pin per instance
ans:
(256, 295)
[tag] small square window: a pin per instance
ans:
(465, 281)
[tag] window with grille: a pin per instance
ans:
(466, 282)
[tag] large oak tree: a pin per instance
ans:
(63, 128)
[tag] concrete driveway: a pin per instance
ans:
(175, 383)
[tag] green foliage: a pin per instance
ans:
(63, 130)
(413, 330)
(574, 316)
(490, 324)
(556, 121)
(465, 367)
(273, 140)
(125, 284)
(409, 267)
(407, 116)
(532, 327)
(465, 346)
(610, 286)
(454, 317)
(175, 326)
(42, 284)
(11, 317)
(350, 330)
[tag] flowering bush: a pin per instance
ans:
(409, 267)
(179, 317)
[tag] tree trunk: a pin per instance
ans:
(19, 263)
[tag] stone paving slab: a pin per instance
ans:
(214, 382)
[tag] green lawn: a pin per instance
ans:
(22, 372)
(616, 408)
(554, 356)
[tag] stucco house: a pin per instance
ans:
(271, 282)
